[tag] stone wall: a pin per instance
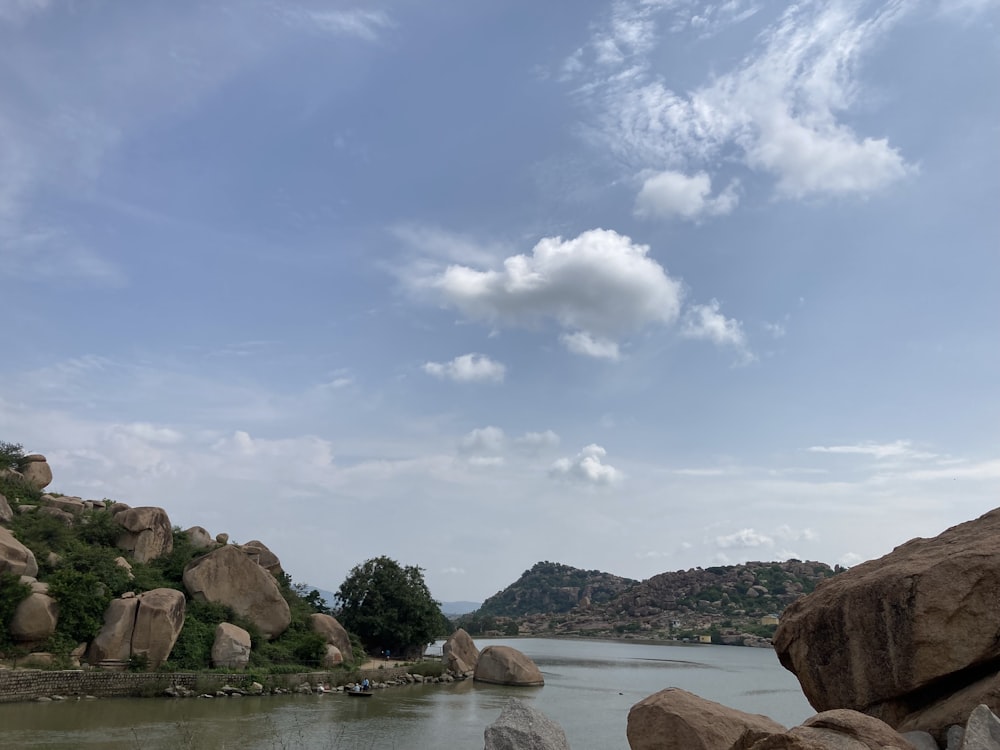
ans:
(28, 684)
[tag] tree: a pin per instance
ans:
(390, 608)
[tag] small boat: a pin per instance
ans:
(359, 693)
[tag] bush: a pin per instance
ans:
(11, 455)
(82, 599)
(12, 593)
(427, 668)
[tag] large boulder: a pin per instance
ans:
(158, 622)
(674, 719)
(147, 533)
(459, 653)
(263, 556)
(841, 729)
(227, 576)
(6, 514)
(331, 657)
(333, 632)
(34, 619)
(231, 648)
(896, 634)
(522, 727)
(15, 557)
(35, 470)
(73, 505)
(114, 641)
(503, 665)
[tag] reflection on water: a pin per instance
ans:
(589, 688)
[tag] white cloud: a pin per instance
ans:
(744, 538)
(880, 451)
(483, 440)
(589, 346)
(357, 22)
(670, 194)
(468, 368)
(588, 467)
(706, 322)
(600, 284)
(535, 441)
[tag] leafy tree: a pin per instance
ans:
(11, 455)
(389, 607)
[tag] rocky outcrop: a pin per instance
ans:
(264, 557)
(72, 505)
(674, 719)
(895, 636)
(333, 632)
(146, 625)
(200, 538)
(158, 623)
(35, 619)
(35, 470)
(231, 648)
(147, 533)
(841, 729)
(15, 557)
(459, 653)
(503, 665)
(227, 576)
(521, 727)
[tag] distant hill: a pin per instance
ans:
(731, 603)
(453, 609)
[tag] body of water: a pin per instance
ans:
(589, 688)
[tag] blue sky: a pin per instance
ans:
(638, 285)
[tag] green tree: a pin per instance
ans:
(389, 607)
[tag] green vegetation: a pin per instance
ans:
(390, 607)
(12, 592)
(12, 486)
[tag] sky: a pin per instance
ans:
(635, 286)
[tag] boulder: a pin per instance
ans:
(147, 533)
(459, 652)
(227, 576)
(35, 470)
(982, 731)
(158, 622)
(34, 619)
(334, 633)
(841, 729)
(953, 709)
(231, 649)
(503, 665)
(200, 538)
(522, 727)
(222, 538)
(674, 719)
(15, 557)
(6, 514)
(896, 634)
(114, 641)
(261, 555)
(67, 518)
(72, 505)
(124, 564)
(331, 657)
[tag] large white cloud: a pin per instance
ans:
(587, 466)
(468, 368)
(596, 287)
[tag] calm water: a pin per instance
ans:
(589, 688)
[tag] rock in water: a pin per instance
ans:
(521, 727)
(459, 652)
(503, 665)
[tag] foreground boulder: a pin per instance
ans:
(841, 729)
(521, 727)
(231, 648)
(334, 634)
(147, 533)
(674, 719)
(459, 653)
(114, 641)
(895, 635)
(158, 623)
(34, 619)
(503, 665)
(227, 576)
(15, 557)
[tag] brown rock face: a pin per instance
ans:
(15, 557)
(36, 471)
(147, 533)
(227, 576)
(263, 556)
(898, 633)
(334, 633)
(231, 648)
(674, 719)
(158, 622)
(115, 639)
(503, 665)
(34, 619)
(459, 652)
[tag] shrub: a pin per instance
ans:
(82, 599)
(12, 593)
(427, 668)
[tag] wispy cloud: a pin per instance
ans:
(707, 322)
(880, 451)
(362, 23)
(468, 368)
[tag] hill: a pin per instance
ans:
(729, 604)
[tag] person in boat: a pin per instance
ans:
(357, 688)
(365, 685)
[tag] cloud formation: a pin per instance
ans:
(706, 322)
(670, 194)
(894, 450)
(468, 368)
(596, 287)
(588, 467)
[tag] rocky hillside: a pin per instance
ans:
(729, 604)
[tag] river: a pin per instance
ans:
(589, 688)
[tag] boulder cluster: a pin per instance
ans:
(497, 665)
(146, 625)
